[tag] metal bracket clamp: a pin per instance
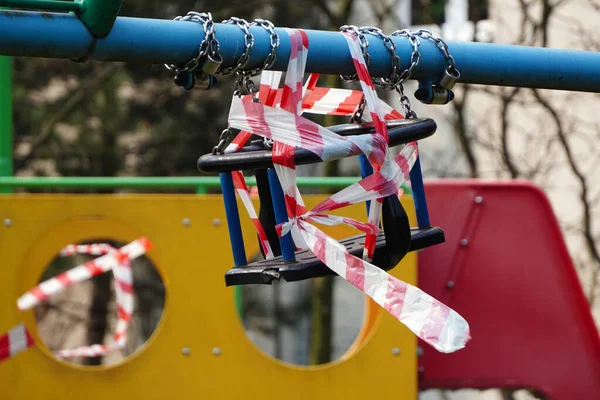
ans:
(431, 93)
(98, 16)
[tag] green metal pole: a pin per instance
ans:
(200, 183)
(48, 5)
(99, 16)
(6, 162)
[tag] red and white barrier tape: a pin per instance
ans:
(95, 249)
(82, 272)
(429, 319)
(123, 280)
(315, 100)
(244, 193)
(267, 97)
(329, 101)
(14, 342)
(117, 260)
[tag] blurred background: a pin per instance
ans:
(116, 119)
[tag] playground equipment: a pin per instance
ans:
(198, 317)
(291, 140)
(550, 344)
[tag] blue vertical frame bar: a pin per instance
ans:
(233, 219)
(418, 193)
(288, 252)
(365, 170)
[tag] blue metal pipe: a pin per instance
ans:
(233, 219)
(418, 193)
(166, 41)
(288, 252)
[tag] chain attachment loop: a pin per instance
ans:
(200, 69)
(364, 44)
(415, 57)
(451, 74)
(209, 45)
(356, 117)
(405, 102)
(274, 38)
(220, 147)
(387, 83)
(248, 44)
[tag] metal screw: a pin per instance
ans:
(450, 284)
(216, 222)
(8, 222)
(478, 199)
(186, 351)
(419, 351)
(216, 351)
(395, 351)
(186, 222)
(464, 242)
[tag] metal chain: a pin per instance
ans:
(364, 44)
(244, 80)
(251, 88)
(222, 141)
(356, 117)
(248, 44)
(274, 37)
(405, 102)
(396, 78)
(415, 57)
(439, 42)
(388, 83)
(209, 45)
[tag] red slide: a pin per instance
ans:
(506, 269)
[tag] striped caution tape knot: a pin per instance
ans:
(112, 259)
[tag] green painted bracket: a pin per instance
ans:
(98, 16)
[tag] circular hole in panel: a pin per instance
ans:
(86, 313)
(310, 322)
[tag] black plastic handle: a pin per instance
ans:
(256, 156)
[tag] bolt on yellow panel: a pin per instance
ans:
(191, 253)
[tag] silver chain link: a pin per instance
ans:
(415, 57)
(387, 83)
(274, 37)
(218, 149)
(364, 44)
(405, 102)
(396, 78)
(356, 117)
(439, 42)
(248, 44)
(209, 45)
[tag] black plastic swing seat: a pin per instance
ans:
(308, 266)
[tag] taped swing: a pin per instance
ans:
(305, 251)
(390, 245)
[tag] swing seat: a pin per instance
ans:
(308, 266)
(392, 244)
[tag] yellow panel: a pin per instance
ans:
(199, 310)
